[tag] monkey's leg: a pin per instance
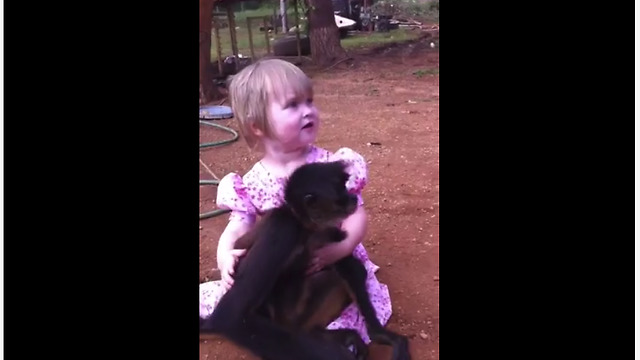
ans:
(265, 339)
(235, 315)
(349, 338)
(354, 274)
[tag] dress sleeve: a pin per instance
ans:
(356, 167)
(232, 195)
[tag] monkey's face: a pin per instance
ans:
(318, 194)
(331, 203)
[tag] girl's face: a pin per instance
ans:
(294, 120)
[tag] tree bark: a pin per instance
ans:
(324, 35)
(208, 91)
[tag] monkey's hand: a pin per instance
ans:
(326, 255)
(334, 234)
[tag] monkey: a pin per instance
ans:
(274, 309)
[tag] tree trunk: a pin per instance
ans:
(324, 34)
(208, 91)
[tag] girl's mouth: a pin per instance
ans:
(308, 126)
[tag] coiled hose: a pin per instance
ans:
(216, 182)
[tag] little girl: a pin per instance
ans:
(273, 103)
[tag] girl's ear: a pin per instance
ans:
(257, 132)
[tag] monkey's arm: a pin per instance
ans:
(257, 272)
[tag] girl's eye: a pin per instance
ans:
(291, 104)
(309, 101)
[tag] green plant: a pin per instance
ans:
(422, 72)
(373, 92)
(378, 38)
(408, 9)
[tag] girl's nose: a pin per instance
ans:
(307, 110)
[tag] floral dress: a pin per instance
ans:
(259, 191)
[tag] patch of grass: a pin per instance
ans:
(373, 92)
(423, 10)
(242, 33)
(377, 38)
(422, 72)
(267, 10)
(262, 11)
(358, 40)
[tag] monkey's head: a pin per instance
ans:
(318, 195)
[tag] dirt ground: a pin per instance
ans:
(388, 96)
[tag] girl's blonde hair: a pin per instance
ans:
(253, 88)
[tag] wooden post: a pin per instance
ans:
(218, 45)
(253, 55)
(266, 33)
(232, 32)
(295, 9)
(274, 22)
(283, 14)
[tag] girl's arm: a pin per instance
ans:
(231, 233)
(356, 227)
(226, 255)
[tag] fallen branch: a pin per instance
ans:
(338, 62)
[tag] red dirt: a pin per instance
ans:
(390, 96)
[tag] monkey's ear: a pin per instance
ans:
(309, 200)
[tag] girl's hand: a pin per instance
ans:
(227, 261)
(325, 256)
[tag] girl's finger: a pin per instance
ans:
(225, 281)
(238, 252)
(316, 268)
